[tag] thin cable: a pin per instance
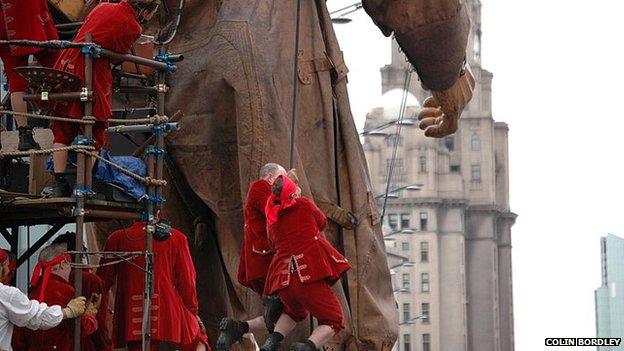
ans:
(293, 122)
(406, 85)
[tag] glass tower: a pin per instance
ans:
(610, 296)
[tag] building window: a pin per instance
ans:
(422, 162)
(398, 172)
(423, 221)
(475, 142)
(475, 173)
(424, 251)
(392, 138)
(406, 312)
(449, 141)
(405, 246)
(424, 282)
(407, 342)
(455, 168)
(393, 221)
(424, 312)
(406, 281)
(405, 220)
(426, 342)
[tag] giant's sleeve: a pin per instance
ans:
(31, 314)
(432, 33)
(186, 276)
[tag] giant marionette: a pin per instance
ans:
(235, 88)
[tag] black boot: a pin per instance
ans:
(231, 332)
(308, 345)
(59, 187)
(273, 342)
(273, 308)
(26, 139)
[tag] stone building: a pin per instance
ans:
(454, 289)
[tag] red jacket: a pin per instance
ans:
(26, 19)
(114, 27)
(256, 253)
(59, 338)
(174, 304)
(300, 247)
(100, 339)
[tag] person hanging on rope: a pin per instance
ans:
(17, 310)
(50, 284)
(175, 310)
(304, 267)
(114, 26)
(256, 255)
(24, 19)
(91, 284)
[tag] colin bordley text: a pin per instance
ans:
(583, 341)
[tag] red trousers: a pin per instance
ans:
(65, 132)
(316, 298)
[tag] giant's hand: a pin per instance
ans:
(440, 114)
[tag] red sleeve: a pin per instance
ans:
(88, 324)
(319, 216)
(185, 275)
(258, 195)
(128, 37)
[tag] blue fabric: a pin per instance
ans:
(109, 174)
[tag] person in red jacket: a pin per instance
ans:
(255, 258)
(91, 284)
(24, 19)
(175, 309)
(50, 284)
(114, 26)
(304, 267)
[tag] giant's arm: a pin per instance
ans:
(432, 33)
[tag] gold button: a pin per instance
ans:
(316, 238)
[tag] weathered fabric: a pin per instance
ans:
(235, 88)
(432, 33)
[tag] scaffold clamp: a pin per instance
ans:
(167, 58)
(92, 50)
(83, 141)
(84, 94)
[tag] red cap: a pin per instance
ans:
(276, 203)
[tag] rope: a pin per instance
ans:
(77, 148)
(46, 117)
(406, 85)
(293, 122)
(156, 119)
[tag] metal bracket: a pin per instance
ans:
(162, 88)
(44, 96)
(84, 94)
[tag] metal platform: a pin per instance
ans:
(18, 209)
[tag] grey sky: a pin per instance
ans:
(558, 73)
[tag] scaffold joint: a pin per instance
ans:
(83, 141)
(84, 94)
(166, 57)
(92, 50)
